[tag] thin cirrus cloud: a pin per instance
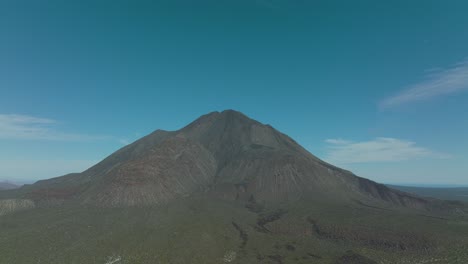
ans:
(24, 127)
(377, 150)
(438, 83)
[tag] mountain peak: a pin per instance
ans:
(228, 115)
(232, 112)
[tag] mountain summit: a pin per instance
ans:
(225, 154)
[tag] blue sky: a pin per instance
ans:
(377, 88)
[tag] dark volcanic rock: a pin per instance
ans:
(242, 234)
(268, 218)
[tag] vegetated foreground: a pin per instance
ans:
(224, 189)
(206, 230)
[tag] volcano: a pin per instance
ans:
(222, 153)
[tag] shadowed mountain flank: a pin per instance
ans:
(225, 154)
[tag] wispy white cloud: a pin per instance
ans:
(338, 141)
(438, 82)
(377, 150)
(26, 127)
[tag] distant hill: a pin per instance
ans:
(8, 186)
(452, 193)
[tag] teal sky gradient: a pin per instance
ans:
(380, 88)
